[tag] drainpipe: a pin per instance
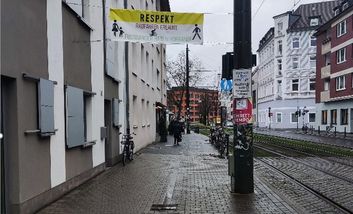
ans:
(104, 36)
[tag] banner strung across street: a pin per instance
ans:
(156, 27)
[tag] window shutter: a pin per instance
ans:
(46, 107)
(75, 5)
(116, 112)
(75, 134)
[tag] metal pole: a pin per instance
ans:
(187, 91)
(127, 83)
(243, 180)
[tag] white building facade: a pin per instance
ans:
(287, 70)
(146, 68)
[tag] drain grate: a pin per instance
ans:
(159, 207)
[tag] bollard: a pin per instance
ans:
(345, 132)
(318, 130)
(335, 131)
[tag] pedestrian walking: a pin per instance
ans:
(177, 129)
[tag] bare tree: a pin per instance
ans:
(208, 104)
(176, 77)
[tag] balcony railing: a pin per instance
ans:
(326, 48)
(325, 96)
(325, 71)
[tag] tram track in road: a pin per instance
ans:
(314, 192)
(323, 155)
(345, 175)
(319, 181)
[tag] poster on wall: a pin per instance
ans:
(156, 27)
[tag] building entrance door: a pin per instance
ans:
(2, 166)
(108, 125)
(8, 129)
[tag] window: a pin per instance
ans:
(341, 55)
(312, 84)
(279, 86)
(279, 64)
(340, 83)
(345, 6)
(312, 117)
(295, 85)
(279, 117)
(280, 26)
(337, 11)
(313, 41)
(327, 84)
(312, 61)
(294, 118)
(280, 47)
(344, 116)
(295, 43)
(327, 59)
(295, 62)
(334, 117)
(314, 21)
(324, 117)
(342, 28)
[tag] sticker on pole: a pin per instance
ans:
(243, 111)
(242, 83)
(156, 27)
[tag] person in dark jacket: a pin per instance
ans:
(177, 129)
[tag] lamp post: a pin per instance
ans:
(187, 91)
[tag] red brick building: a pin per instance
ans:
(199, 100)
(334, 70)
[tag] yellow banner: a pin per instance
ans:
(155, 17)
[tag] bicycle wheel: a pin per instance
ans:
(131, 156)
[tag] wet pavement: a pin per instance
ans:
(315, 138)
(187, 177)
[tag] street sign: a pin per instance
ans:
(243, 111)
(242, 83)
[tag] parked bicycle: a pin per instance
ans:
(128, 150)
(330, 130)
(219, 139)
(305, 128)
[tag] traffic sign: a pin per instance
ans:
(242, 83)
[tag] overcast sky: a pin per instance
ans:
(218, 27)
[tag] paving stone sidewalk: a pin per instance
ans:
(187, 175)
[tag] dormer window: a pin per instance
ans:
(337, 11)
(345, 6)
(314, 21)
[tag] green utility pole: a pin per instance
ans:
(242, 178)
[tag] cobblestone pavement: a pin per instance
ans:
(307, 137)
(185, 175)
